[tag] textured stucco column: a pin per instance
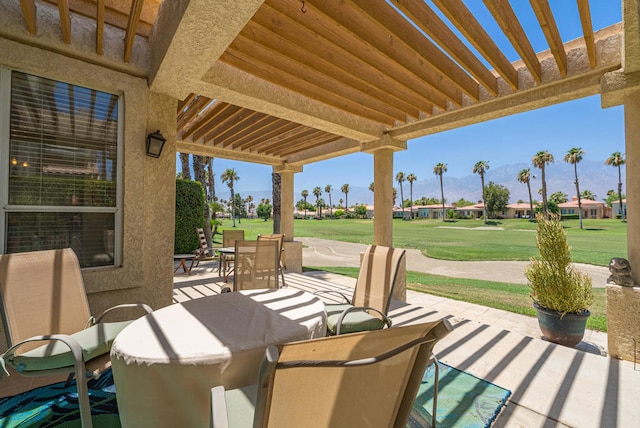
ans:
(632, 138)
(383, 202)
(623, 328)
(292, 249)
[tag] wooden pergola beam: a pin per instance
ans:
(508, 22)
(587, 30)
(468, 25)
(551, 33)
(65, 20)
(99, 27)
(29, 13)
(132, 24)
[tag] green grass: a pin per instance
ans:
(505, 296)
(597, 243)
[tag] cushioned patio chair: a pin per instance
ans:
(44, 300)
(278, 237)
(229, 238)
(367, 309)
(362, 379)
(204, 251)
(256, 265)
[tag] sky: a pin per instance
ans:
(513, 139)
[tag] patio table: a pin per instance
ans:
(165, 363)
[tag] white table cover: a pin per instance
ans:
(164, 364)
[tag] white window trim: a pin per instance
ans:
(5, 112)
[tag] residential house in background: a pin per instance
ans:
(590, 209)
(615, 208)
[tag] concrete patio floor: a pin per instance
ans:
(551, 385)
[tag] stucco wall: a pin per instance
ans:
(148, 183)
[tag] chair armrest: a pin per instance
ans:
(344, 313)
(143, 306)
(333, 292)
(74, 346)
(219, 417)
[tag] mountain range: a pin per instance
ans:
(592, 175)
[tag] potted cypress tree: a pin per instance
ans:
(561, 294)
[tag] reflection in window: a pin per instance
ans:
(63, 162)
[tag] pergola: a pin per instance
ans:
(290, 82)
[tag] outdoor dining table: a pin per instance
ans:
(165, 363)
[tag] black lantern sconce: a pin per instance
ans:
(155, 143)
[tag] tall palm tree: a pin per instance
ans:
(345, 189)
(230, 176)
(184, 162)
(317, 192)
(400, 179)
(480, 168)
(573, 156)
(248, 200)
(438, 170)
(305, 194)
(200, 175)
(524, 176)
(328, 188)
(540, 160)
(617, 159)
(411, 178)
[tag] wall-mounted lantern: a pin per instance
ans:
(155, 143)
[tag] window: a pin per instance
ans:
(62, 168)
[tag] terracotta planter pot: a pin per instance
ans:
(567, 331)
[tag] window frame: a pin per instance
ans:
(5, 119)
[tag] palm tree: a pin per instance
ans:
(230, 176)
(480, 168)
(184, 162)
(345, 189)
(411, 178)
(328, 188)
(588, 194)
(525, 176)
(371, 187)
(400, 180)
(317, 192)
(438, 170)
(540, 160)
(340, 201)
(248, 201)
(395, 196)
(573, 156)
(617, 159)
(305, 193)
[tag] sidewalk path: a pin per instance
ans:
(324, 252)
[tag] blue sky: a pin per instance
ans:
(581, 123)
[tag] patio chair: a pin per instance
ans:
(256, 265)
(367, 309)
(204, 251)
(44, 300)
(361, 379)
(229, 237)
(279, 237)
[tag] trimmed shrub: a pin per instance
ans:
(189, 215)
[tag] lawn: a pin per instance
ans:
(508, 297)
(597, 243)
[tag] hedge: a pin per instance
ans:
(189, 215)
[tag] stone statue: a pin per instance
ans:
(620, 272)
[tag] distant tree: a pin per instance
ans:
(462, 202)
(239, 205)
(361, 210)
(395, 196)
(438, 170)
(480, 168)
(588, 194)
(340, 201)
(345, 189)
(497, 198)
(248, 201)
(317, 192)
(305, 194)
(328, 188)
(428, 201)
(371, 187)
(230, 176)
(521, 201)
(524, 176)
(617, 160)
(200, 175)
(264, 210)
(321, 204)
(400, 179)
(574, 156)
(559, 197)
(540, 160)
(612, 197)
(552, 208)
(411, 178)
